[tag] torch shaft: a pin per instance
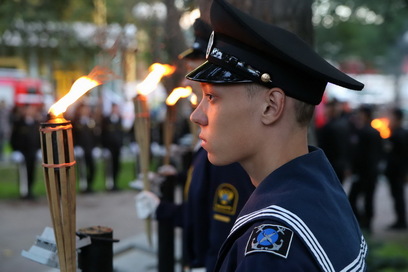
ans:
(169, 131)
(53, 198)
(68, 197)
(59, 173)
(142, 135)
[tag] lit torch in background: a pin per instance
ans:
(382, 126)
(177, 93)
(59, 172)
(174, 96)
(142, 122)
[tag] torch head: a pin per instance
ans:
(56, 119)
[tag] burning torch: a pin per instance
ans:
(59, 172)
(142, 122)
(382, 126)
(174, 96)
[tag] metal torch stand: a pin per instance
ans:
(98, 256)
(166, 230)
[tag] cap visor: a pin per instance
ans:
(212, 73)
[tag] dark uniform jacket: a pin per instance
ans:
(367, 152)
(112, 132)
(25, 136)
(333, 138)
(84, 133)
(397, 157)
(297, 219)
(214, 198)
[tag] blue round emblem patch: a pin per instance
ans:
(267, 237)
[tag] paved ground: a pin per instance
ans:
(22, 221)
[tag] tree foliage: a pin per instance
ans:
(31, 10)
(368, 30)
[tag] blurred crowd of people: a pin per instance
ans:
(360, 154)
(98, 132)
(19, 128)
(355, 149)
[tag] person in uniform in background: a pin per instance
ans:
(367, 152)
(25, 138)
(112, 139)
(260, 85)
(4, 127)
(396, 169)
(334, 137)
(214, 195)
(83, 131)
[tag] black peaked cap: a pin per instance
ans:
(245, 49)
(202, 32)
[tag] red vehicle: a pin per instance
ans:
(16, 89)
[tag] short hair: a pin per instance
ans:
(303, 111)
(252, 88)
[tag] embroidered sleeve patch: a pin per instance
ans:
(269, 238)
(226, 199)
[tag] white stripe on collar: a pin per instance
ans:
(358, 264)
(297, 224)
(306, 234)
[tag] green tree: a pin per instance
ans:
(368, 30)
(31, 10)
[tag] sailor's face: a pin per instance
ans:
(227, 118)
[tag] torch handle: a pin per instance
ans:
(169, 131)
(142, 135)
(59, 173)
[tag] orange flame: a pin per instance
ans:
(177, 93)
(82, 85)
(157, 71)
(381, 124)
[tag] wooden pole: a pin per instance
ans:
(168, 132)
(142, 135)
(60, 182)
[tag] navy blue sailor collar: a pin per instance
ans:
(282, 196)
(278, 178)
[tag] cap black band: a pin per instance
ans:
(244, 62)
(234, 65)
